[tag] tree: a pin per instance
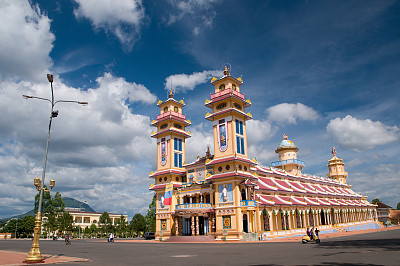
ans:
(105, 223)
(398, 206)
(26, 226)
(65, 221)
(121, 225)
(93, 229)
(138, 224)
(375, 201)
(151, 216)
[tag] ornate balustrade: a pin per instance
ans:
(290, 161)
(194, 206)
(171, 113)
(247, 203)
(225, 92)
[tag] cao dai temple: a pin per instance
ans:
(229, 196)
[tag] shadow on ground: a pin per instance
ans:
(386, 244)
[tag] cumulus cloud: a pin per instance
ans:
(202, 136)
(201, 13)
(25, 42)
(258, 131)
(184, 82)
(123, 18)
(359, 135)
(290, 113)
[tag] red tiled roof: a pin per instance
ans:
(265, 200)
(282, 185)
(282, 200)
(298, 201)
(159, 186)
(297, 187)
(312, 202)
(265, 183)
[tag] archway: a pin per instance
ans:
(243, 194)
(311, 217)
(265, 217)
(245, 224)
(333, 216)
(323, 221)
(298, 219)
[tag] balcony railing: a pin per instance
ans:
(247, 203)
(290, 161)
(225, 92)
(194, 206)
(172, 113)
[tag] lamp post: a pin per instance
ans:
(34, 254)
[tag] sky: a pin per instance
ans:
(325, 73)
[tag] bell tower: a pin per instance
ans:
(228, 116)
(171, 138)
(336, 168)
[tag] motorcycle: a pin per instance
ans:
(110, 239)
(67, 241)
(307, 238)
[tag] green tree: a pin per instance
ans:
(26, 226)
(93, 229)
(121, 226)
(151, 216)
(65, 221)
(138, 224)
(11, 226)
(105, 223)
(398, 206)
(375, 201)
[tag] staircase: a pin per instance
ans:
(191, 239)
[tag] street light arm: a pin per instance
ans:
(62, 101)
(35, 97)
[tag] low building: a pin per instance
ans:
(383, 212)
(86, 219)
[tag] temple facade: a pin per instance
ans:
(230, 196)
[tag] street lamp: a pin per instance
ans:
(34, 254)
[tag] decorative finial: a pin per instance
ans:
(333, 151)
(171, 94)
(284, 136)
(226, 71)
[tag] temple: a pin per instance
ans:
(229, 196)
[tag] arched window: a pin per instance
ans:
(265, 216)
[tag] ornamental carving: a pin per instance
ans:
(227, 211)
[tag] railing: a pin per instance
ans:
(247, 203)
(225, 92)
(224, 204)
(165, 209)
(171, 113)
(284, 162)
(194, 206)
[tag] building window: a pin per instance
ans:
(239, 127)
(177, 144)
(222, 87)
(178, 159)
(175, 109)
(240, 145)
(165, 109)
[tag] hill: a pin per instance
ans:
(69, 203)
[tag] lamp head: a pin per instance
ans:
(50, 77)
(52, 183)
(37, 182)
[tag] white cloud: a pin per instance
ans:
(197, 144)
(25, 42)
(289, 113)
(359, 135)
(258, 131)
(123, 18)
(200, 14)
(184, 82)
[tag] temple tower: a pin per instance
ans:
(336, 169)
(234, 195)
(171, 138)
(288, 161)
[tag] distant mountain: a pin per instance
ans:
(73, 203)
(69, 203)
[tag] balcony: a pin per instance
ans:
(285, 162)
(171, 113)
(194, 206)
(247, 203)
(225, 92)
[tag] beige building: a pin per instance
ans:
(227, 194)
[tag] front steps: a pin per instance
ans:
(190, 239)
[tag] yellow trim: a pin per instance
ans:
(208, 114)
(159, 102)
(207, 101)
(182, 101)
(240, 79)
(151, 173)
(248, 101)
(153, 121)
(213, 79)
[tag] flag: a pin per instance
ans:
(168, 194)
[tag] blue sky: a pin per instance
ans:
(322, 72)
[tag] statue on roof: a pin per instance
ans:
(171, 94)
(333, 151)
(226, 71)
(284, 136)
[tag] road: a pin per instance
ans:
(378, 248)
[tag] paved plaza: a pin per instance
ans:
(381, 247)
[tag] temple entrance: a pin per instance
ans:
(245, 224)
(186, 224)
(323, 222)
(201, 225)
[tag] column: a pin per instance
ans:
(192, 227)
(197, 225)
(176, 226)
(209, 223)
(276, 222)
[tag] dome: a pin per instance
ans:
(286, 144)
